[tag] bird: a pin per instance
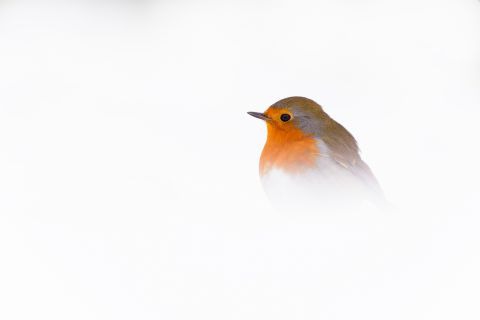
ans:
(311, 161)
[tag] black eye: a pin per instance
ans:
(285, 117)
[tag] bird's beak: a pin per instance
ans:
(259, 115)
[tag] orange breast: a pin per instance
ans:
(289, 150)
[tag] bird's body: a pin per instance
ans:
(309, 159)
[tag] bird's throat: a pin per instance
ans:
(288, 150)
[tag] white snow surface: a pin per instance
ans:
(129, 183)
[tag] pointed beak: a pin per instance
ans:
(259, 115)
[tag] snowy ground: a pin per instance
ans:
(128, 165)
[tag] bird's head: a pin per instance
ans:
(294, 116)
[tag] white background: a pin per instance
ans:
(128, 166)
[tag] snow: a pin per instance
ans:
(129, 183)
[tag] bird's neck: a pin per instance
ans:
(288, 150)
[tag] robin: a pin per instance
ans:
(309, 159)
